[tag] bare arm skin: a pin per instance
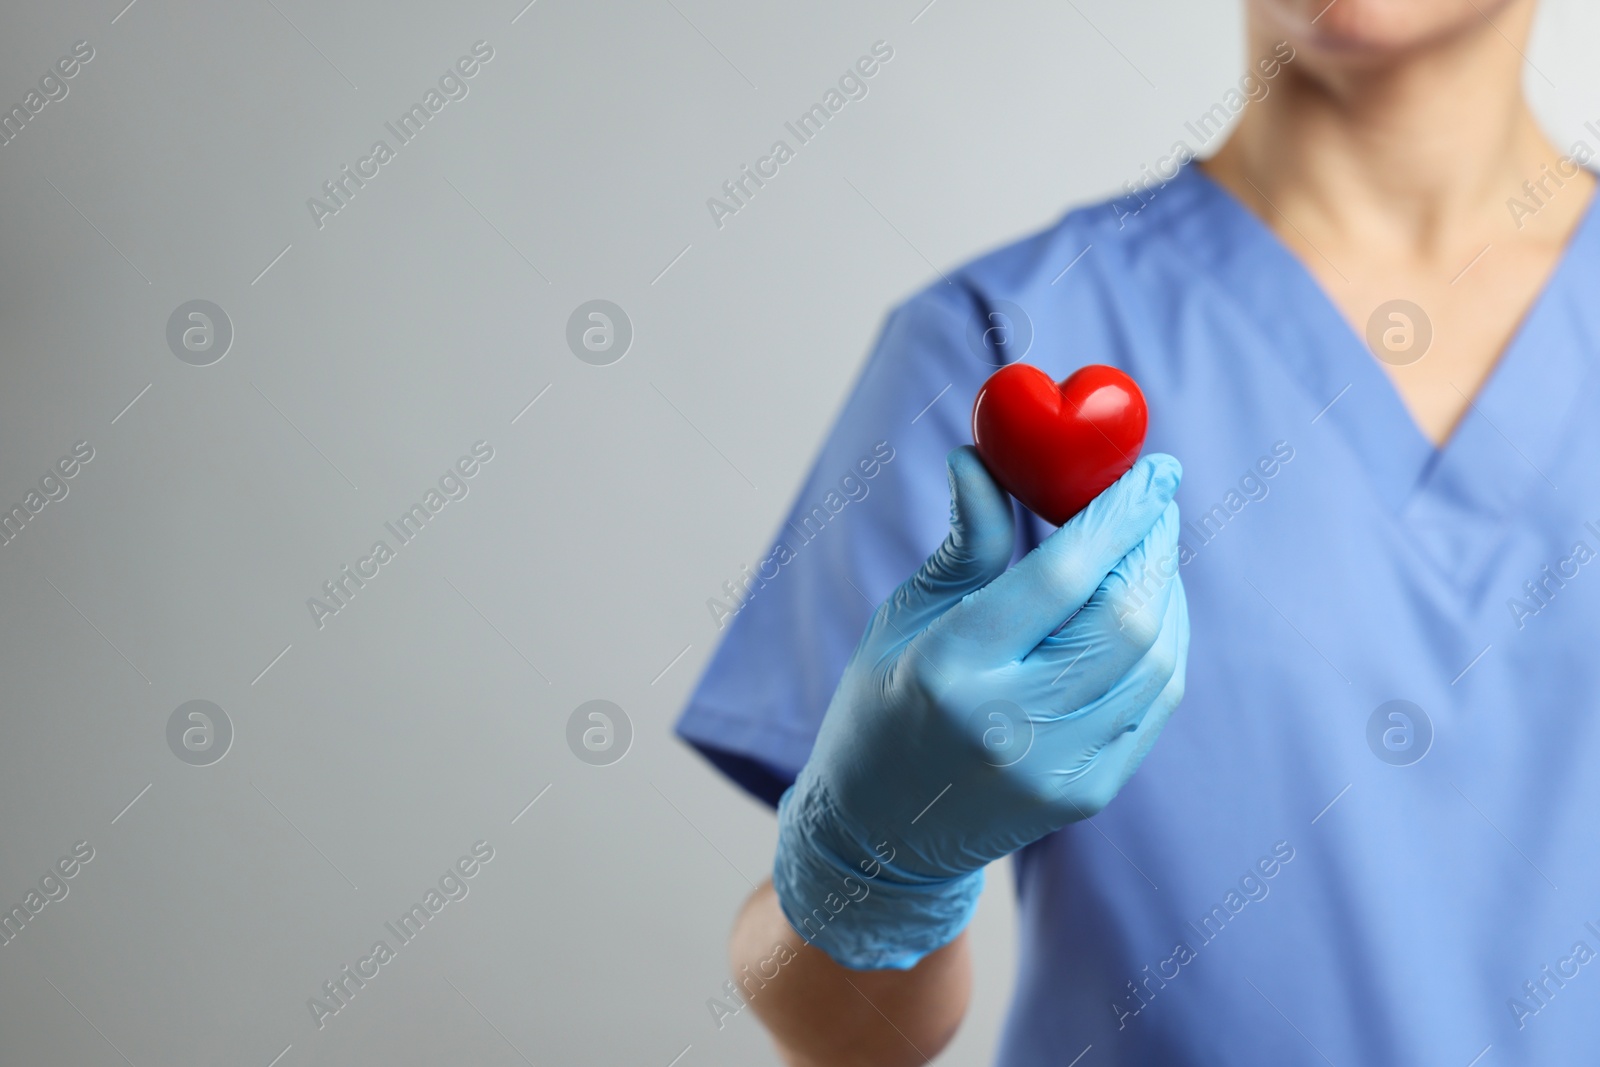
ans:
(821, 1014)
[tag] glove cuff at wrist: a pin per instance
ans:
(843, 894)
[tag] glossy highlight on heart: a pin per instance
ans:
(1055, 447)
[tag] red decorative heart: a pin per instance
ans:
(1056, 447)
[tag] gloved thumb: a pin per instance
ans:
(978, 549)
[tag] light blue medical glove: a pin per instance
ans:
(970, 721)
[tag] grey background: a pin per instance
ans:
(424, 317)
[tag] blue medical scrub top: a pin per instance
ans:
(1303, 871)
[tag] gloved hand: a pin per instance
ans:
(970, 721)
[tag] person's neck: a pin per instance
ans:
(1412, 159)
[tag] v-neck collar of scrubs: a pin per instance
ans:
(1454, 500)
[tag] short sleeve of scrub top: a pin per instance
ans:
(1369, 833)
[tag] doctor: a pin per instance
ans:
(1369, 326)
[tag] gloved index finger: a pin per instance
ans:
(1007, 618)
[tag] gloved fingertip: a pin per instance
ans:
(970, 481)
(955, 464)
(961, 460)
(1163, 474)
(952, 462)
(980, 511)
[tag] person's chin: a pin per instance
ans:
(1373, 29)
